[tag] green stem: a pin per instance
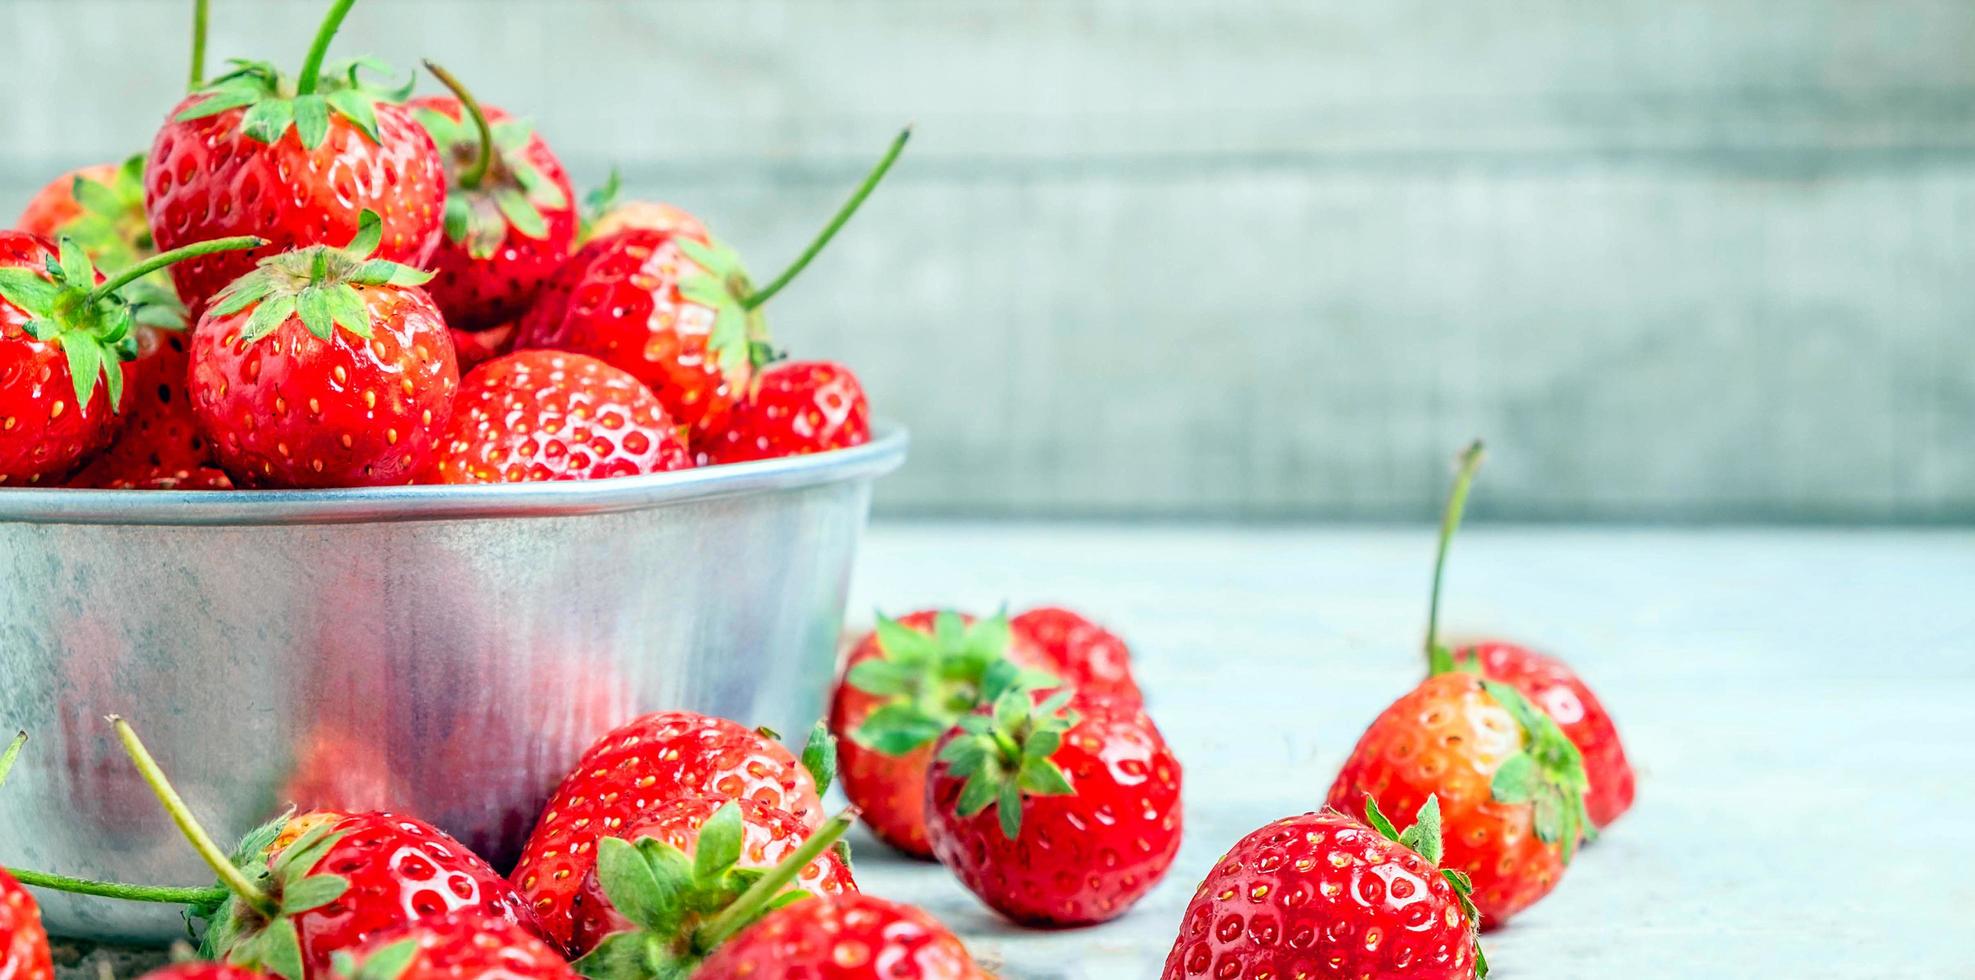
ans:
(180, 254)
(755, 299)
(7, 757)
(199, 17)
(165, 894)
(471, 106)
(209, 851)
(1450, 520)
(312, 65)
(743, 910)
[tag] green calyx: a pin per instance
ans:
(1548, 774)
(494, 188)
(819, 757)
(597, 203)
(273, 105)
(247, 933)
(114, 233)
(8, 755)
(929, 680)
(387, 962)
(1423, 838)
(1009, 752)
(1439, 659)
(681, 905)
(319, 284)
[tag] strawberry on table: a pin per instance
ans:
(794, 407)
(324, 367)
(1080, 652)
(24, 953)
(846, 937)
(297, 163)
(457, 946)
(510, 210)
(1059, 813)
(1324, 897)
(550, 415)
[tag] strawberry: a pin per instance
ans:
(1323, 896)
(510, 211)
(204, 970)
(473, 348)
(847, 937)
(324, 367)
(101, 207)
(904, 684)
(1564, 696)
(674, 308)
(547, 415)
(604, 215)
(64, 328)
(297, 163)
(642, 765)
(795, 407)
(24, 953)
(1083, 654)
(457, 946)
(161, 446)
(664, 892)
(1058, 812)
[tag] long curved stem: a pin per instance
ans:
(305, 83)
(180, 254)
(471, 106)
(199, 18)
(209, 851)
(1450, 520)
(13, 751)
(755, 299)
(165, 894)
(743, 910)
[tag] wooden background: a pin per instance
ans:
(1678, 259)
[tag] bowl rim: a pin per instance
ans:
(380, 505)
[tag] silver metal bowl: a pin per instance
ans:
(447, 651)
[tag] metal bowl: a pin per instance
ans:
(447, 651)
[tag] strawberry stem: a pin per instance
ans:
(7, 758)
(209, 851)
(305, 83)
(478, 172)
(743, 910)
(1450, 520)
(165, 894)
(162, 259)
(199, 17)
(754, 299)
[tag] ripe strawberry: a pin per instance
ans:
(674, 308)
(204, 970)
(290, 400)
(904, 684)
(1564, 696)
(642, 765)
(664, 892)
(796, 407)
(1083, 654)
(101, 207)
(472, 348)
(24, 953)
(604, 215)
(547, 415)
(458, 946)
(510, 211)
(295, 163)
(1059, 813)
(160, 446)
(847, 937)
(1323, 896)
(62, 328)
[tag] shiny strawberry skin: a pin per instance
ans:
(648, 216)
(1323, 897)
(204, 970)
(848, 937)
(1447, 737)
(293, 410)
(796, 407)
(207, 179)
(1080, 858)
(24, 951)
(772, 835)
(470, 945)
(1559, 691)
(478, 294)
(43, 433)
(548, 415)
(1083, 654)
(54, 205)
(160, 446)
(618, 299)
(632, 771)
(472, 348)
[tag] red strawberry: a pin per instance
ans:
(204, 970)
(848, 937)
(1081, 653)
(473, 348)
(635, 769)
(674, 308)
(1323, 897)
(666, 891)
(57, 205)
(1059, 813)
(459, 946)
(101, 207)
(297, 163)
(547, 415)
(1565, 697)
(604, 215)
(24, 953)
(510, 211)
(161, 446)
(904, 684)
(796, 407)
(63, 327)
(324, 367)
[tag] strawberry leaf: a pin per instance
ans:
(29, 290)
(269, 316)
(1423, 837)
(1377, 819)
(388, 962)
(313, 892)
(224, 98)
(370, 234)
(311, 119)
(520, 213)
(358, 108)
(267, 119)
(85, 359)
(819, 757)
(897, 729)
(719, 847)
(630, 882)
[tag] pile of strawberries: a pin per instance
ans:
(319, 281)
